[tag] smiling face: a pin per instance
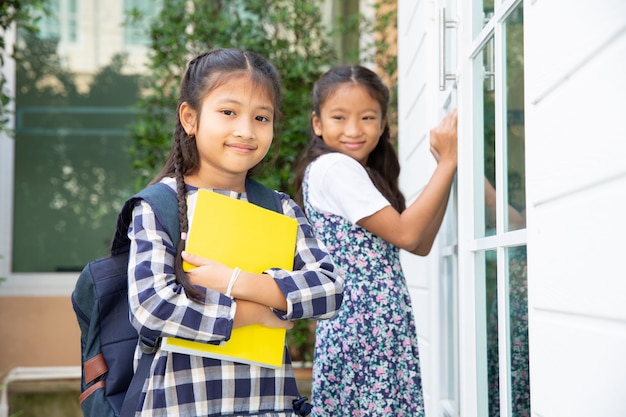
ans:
(350, 121)
(233, 132)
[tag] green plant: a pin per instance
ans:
(301, 341)
(26, 13)
(287, 32)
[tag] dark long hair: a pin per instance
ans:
(205, 73)
(382, 164)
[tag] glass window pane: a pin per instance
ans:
(488, 8)
(139, 14)
(489, 149)
(72, 171)
(516, 171)
(49, 26)
(449, 334)
(518, 331)
(491, 297)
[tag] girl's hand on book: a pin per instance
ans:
(258, 288)
(208, 273)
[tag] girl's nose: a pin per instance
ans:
(244, 129)
(353, 128)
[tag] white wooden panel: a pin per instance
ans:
(576, 135)
(578, 367)
(417, 114)
(576, 253)
(407, 11)
(421, 311)
(416, 171)
(419, 270)
(576, 184)
(584, 26)
(427, 373)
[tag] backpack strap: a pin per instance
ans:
(164, 202)
(263, 196)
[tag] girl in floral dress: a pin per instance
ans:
(366, 358)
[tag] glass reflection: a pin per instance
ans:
(519, 378)
(72, 168)
(515, 163)
(489, 129)
(493, 367)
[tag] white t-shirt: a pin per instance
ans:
(338, 184)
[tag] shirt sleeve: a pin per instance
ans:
(159, 306)
(313, 289)
(340, 185)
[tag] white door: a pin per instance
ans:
(427, 90)
(470, 294)
(493, 302)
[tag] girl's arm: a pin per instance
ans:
(312, 290)
(158, 304)
(416, 227)
(249, 312)
(260, 288)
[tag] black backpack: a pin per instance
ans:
(109, 387)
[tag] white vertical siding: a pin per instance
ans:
(417, 113)
(575, 60)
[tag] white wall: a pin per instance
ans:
(576, 171)
(417, 113)
(575, 89)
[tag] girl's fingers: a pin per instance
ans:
(194, 259)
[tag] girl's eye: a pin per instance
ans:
(337, 117)
(262, 119)
(228, 112)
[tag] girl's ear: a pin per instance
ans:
(187, 117)
(316, 123)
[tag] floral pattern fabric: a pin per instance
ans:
(366, 359)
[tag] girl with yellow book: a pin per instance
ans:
(228, 107)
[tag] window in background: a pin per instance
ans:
(137, 31)
(73, 111)
(62, 22)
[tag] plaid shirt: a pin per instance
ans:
(184, 385)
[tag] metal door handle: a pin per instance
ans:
(443, 25)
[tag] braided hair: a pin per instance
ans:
(205, 73)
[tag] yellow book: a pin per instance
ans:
(239, 234)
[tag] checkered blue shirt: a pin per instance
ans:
(184, 385)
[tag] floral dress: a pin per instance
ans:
(366, 358)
